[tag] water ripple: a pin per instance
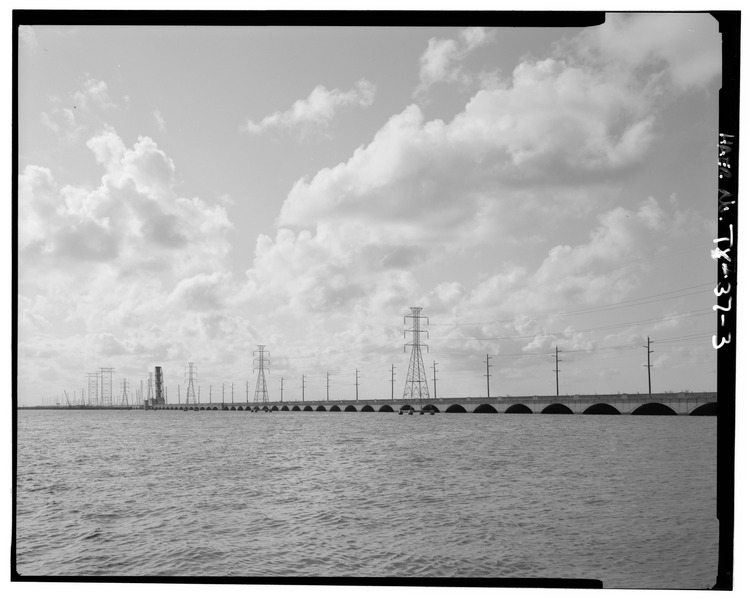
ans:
(630, 501)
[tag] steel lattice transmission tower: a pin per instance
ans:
(93, 378)
(191, 375)
(416, 379)
(261, 390)
(125, 386)
(105, 378)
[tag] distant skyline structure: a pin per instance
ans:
(416, 386)
(261, 388)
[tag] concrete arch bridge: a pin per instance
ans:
(685, 403)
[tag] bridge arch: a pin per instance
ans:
(284, 408)
(275, 409)
(654, 409)
(429, 407)
(406, 408)
(202, 408)
(308, 409)
(519, 408)
(707, 409)
(455, 409)
(385, 408)
(296, 409)
(485, 408)
(214, 409)
(232, 409)
(335, 409)
(350, 409)
(601, 408)
(367, 408)
(320, 409)
(556, 408)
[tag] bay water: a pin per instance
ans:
(628, 500)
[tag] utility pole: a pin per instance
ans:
(356, 384)
(210, 393)
(178, 394)
(327, 385)
(434, 378)
(487, 361)
(282, 388)
(303, 387)
(247, 391)
(232, 392)
(393, 374)
(649, 351)
(222, 394)
(557, 373)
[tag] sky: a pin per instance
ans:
(189, 193)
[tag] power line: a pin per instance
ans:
(691, 336)
(677, 316)
(602, 328)
(615, 305)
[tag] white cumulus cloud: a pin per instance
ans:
(318, 109)
(441, 61)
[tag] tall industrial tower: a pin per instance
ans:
(159, 384)
(416, 379)
(191, 375)
(261, 391)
